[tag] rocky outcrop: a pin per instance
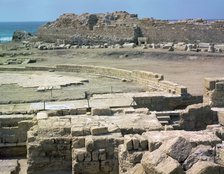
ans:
(19, 36)
(120, 27)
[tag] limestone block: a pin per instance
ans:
(154, 145)
(81, 111)
(95, 155)
(128, 142)
(88, 156)
(205, 167)
(143, 143)
(100, 142)
(219, 86)
(79, 154)
(77, 131)
(98, 130)
(102, 154)
(89, 144)
(78, 142)
(65, 112)
(10, 139)
(42, 115)
(220, 154)
(137, 169)
(92, 167)
(73, 111)
(107, 166)
(86, 130)
(135, 157)
(9, 166)
(178, 148)
(136, 143)
(209, 83)
(157, 162)
(197, 117)
(200, 153)
(129, 45)
(101, 111)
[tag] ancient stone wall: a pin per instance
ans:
(214, 92)
(118, 27)
(178, 32)
(152, 81)
(13, 134)
(63, 144)
(197, 117)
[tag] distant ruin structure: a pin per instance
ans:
(120, 27)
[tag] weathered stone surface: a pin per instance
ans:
(178, 148)
(200, 153)
(156, 138)
(158, 162)
(128, 143)
(205, 167)
(214, 92)
(99, 130)
(137, 169)
(220, 154)
(95, 29)
(42, 115)
(197, 117)
(89, 144)
(101, 111)
(9, 167)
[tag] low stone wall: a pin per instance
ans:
(13, 134)
(150, 80)
(197, 117)
(214, 92)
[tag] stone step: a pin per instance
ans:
(163, 118)
(176, 126)
(167, 113)
(164, 123)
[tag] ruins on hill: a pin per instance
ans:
(120, 27)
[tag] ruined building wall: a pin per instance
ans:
(119, 27)
(179, 32)
(152, 81)
(214, 92)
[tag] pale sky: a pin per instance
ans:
(48, 10)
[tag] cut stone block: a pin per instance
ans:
(101, 111)
(158, 162)
(178, 148)
(42, 115)
(98, 130)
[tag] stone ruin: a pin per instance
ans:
(120, 27)
(162, 131)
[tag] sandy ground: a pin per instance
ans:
(186, 68)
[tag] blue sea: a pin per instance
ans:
(7, 29)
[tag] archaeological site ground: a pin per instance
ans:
(113, 94)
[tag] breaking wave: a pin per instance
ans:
(5, 39)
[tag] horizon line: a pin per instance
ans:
(138, 18)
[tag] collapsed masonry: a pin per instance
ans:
(120, 27)
(160, 138)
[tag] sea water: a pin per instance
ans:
(8, 28)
